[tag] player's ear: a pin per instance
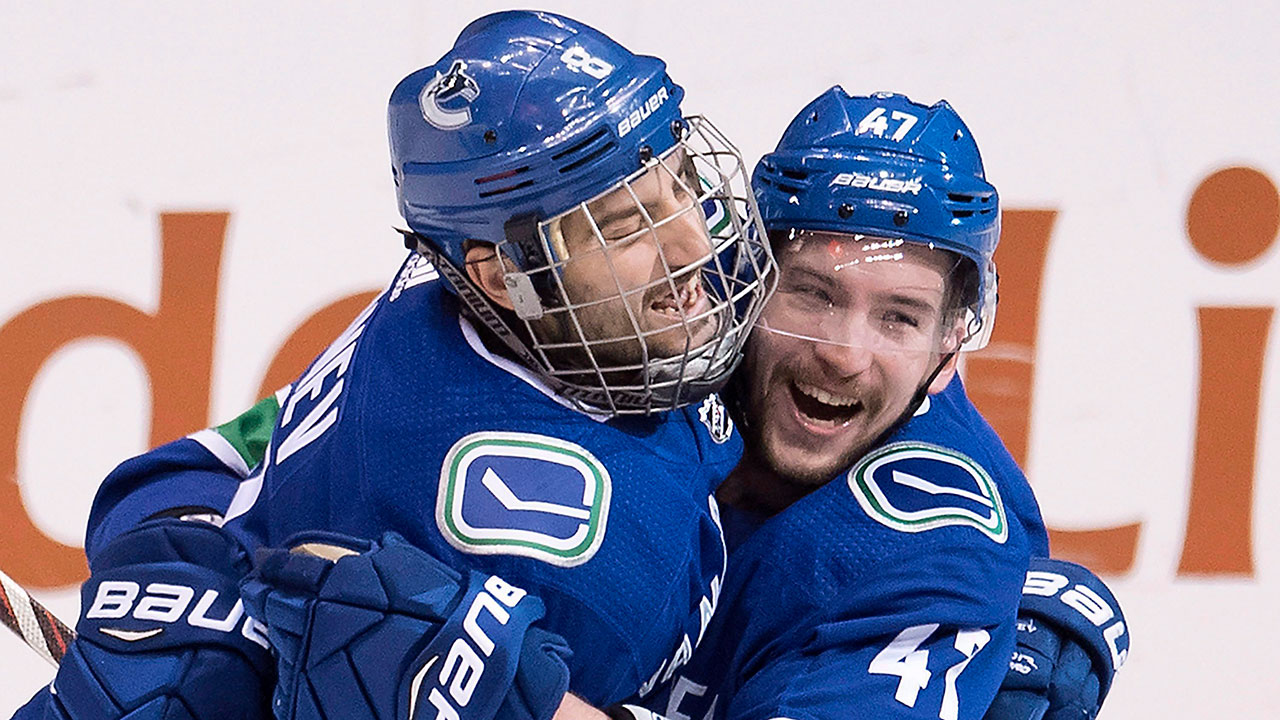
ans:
(949, 344)
(485, 269)
(945, 375)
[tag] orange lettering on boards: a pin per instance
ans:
(175, 345)
(1233, 218)
(1000, 377)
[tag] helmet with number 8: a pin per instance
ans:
(545, 140)
(886, 167)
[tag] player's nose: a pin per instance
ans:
(682, 235)
(845, 354)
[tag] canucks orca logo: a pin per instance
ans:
(446, 100)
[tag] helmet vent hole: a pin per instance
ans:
(587, 158)
(956, 197)
(789, 189)
(509, 188)
(578, 146)
(961, 213)
(501, 176)
(490, 136)
(795, 174)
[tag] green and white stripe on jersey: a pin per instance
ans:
(241, 443)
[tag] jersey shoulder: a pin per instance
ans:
(928, 512)
(951, 420)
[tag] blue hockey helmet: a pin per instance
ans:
(528, 115)
(890, 171)
(517, 138)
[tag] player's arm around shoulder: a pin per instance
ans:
(926, 634)
(195, 476)
(1071, 640)
(925, 581)
(162, 626)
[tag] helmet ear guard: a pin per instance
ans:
(522, 231)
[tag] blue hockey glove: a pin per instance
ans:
(1071, 640)
(163, 633)
(387, 631)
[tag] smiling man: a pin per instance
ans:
(530, 401)
(857, 327)
(879, 532)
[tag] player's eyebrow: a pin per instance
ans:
(629, 205)
(616, 215)
(809, 274)
(912, 301)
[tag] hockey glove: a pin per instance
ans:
(1071, 640)
(387, 631)
(163, 634)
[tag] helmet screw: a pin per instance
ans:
(677, 128)
(646, 154)
(490, 136)
(845, 211)
(900, 218)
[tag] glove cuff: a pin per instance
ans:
(170, 584)
(1074, 601)
(472, 661)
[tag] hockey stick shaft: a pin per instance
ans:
(38, 627)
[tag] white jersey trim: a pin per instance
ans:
(247, 494)
(520, 371)
(218, 446)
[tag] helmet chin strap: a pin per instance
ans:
(917, 400)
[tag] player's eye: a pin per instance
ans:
(899, 321)
(623, 228)
(808, 296)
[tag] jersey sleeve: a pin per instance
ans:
(925, 636)
(924, 671)
(195, 475)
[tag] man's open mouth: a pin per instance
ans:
(688, 301)
(822, 407)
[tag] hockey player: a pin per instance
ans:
(530, 401)
(879, 532)
(882, 534)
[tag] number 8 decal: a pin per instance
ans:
(579, 60)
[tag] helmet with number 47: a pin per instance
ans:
(879, 180)
(603, 237)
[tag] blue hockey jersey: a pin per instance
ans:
(889, 592)
(407, 422)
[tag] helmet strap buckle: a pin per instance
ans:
(524, 298)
